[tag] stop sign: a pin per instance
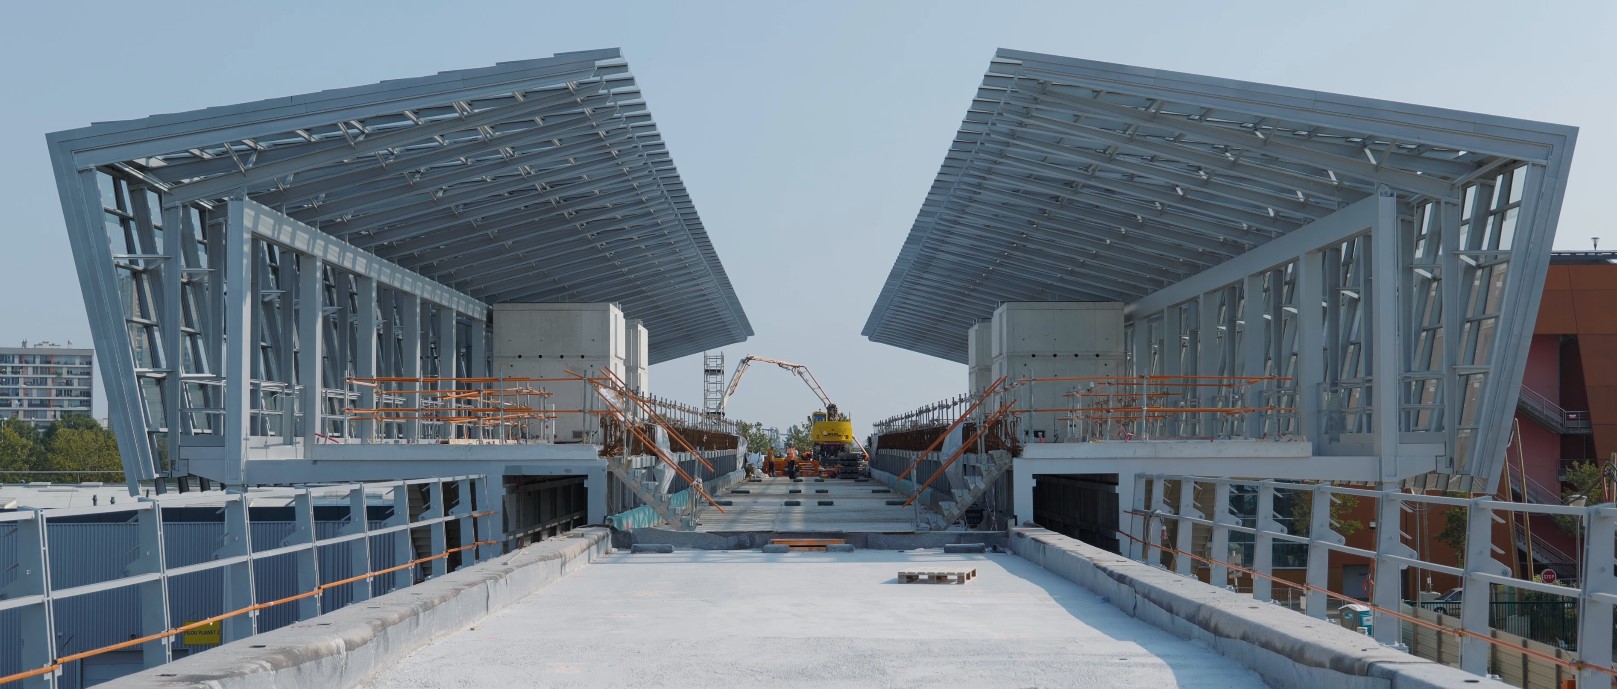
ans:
(1548, 575)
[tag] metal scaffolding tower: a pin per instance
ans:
(713, 384)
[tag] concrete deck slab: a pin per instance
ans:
(745, 619)
(855, 507)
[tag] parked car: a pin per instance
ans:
(1447, 604)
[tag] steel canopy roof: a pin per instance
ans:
(1077, 180)
(530, 181)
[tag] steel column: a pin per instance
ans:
(311, 346)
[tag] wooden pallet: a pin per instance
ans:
(960, 577)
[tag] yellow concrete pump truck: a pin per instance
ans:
(830, 430)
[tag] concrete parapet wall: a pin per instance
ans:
(1286, 648)
(345, 648)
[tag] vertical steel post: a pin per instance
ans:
(1185, 529)
(1156, 524)
(490, 498)
(1310, 345)
(410, 367)
(1386, 360)
(1387, 592)
(448, 355)
(153, 594)
(403, 544)
(1254, 346)
(440, 539)
(1595, 614)
(1321, 536)
(1263, 543)
(465, 522)
(241, 344)
(307, 559)
(359, 550)
(239, 588)
(36, 621)
(1474, 598)
(365, 356)
(1222, 520)
(310, 338)
(1131, 501)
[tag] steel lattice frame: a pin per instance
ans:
(1210, 205)
(401, 209)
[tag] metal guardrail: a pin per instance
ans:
(1551, 414)
(1170, 509)
(33, 596)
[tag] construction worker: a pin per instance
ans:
(791, 467)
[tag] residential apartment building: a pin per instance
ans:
(44, 382)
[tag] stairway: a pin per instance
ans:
(999, 462)
(1549, 414)
(650, 492)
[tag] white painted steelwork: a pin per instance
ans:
(1245, 226)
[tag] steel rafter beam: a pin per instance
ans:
(370, 169)
(1277, 147)
(446, 183)
(634, 175)
(222, 185)
(520, 221)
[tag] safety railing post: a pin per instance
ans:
(1595, 613)
(239, 590)
(153, 594)
(1159, 514)
(1475, 598)
(1386, 578)
(490, 493)
(464, 521)
(1138, 525)
(1263, 543)
(307, 557)
(1185, 529)
(440, 537)
(1222, 520)
(37, 620)
(1321, 536)
(359, 550)
(403, 544)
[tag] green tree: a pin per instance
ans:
(1586, 480)
(1454, 528)
(70, 445)
(80, 422)
(20, 449)
(1302, 514)
(758, 440)
(800, 437)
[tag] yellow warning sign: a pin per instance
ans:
(210, 634)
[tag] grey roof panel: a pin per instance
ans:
(534, 180)
(1074, 179)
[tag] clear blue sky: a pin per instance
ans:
(808, 133)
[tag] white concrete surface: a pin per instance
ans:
(857, 507)
(744, 619)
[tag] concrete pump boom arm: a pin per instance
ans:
(799, 369)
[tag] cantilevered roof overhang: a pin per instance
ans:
(532, 181)
(1076, 180)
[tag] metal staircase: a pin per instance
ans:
(650, 492)
(998, 462)
(1549, 414)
